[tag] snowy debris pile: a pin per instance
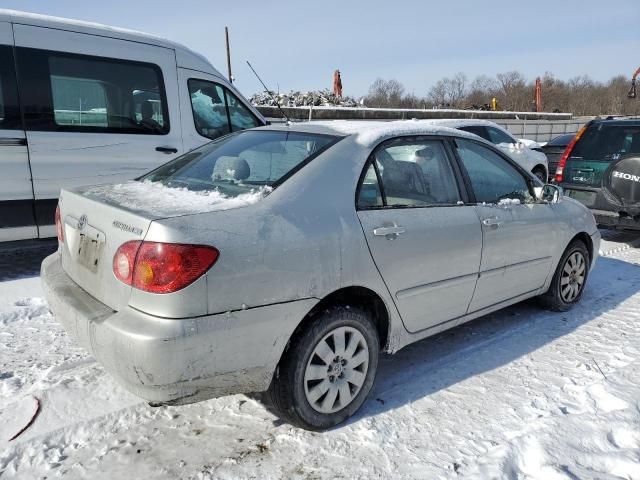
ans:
(314, 98)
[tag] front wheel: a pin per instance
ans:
(328, 370)
(569, 278)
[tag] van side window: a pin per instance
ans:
(9, 113)
(69, 92)
(241, 117)
(217, 111)
(209, 105)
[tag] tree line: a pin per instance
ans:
(580, 95)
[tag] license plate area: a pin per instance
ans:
(89, 250)
(85, 243)
(588, 199)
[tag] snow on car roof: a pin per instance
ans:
(462, 122)
(367, 133)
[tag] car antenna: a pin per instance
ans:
(270, 94)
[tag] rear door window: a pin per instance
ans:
(9, 112)
(413, 173)
(607, 142)
(69, 92)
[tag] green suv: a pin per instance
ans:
(601, 169)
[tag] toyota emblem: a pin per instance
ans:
(82, 222)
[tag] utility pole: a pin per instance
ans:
(226, 35)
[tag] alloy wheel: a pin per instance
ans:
(573, 276)
(336, 370)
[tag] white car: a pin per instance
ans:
(519, 149)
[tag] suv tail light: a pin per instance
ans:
(59, 227)
(559, 177)
(162, 267)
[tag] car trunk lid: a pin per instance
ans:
(93, 231)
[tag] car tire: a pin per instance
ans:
(569, 279)
(316, 361)
(541, 174)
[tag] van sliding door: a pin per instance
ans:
(16, 195)
(96, 109)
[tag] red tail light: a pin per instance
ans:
(59, 227)
(162, 267)
(567, 153)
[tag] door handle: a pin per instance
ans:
(394, 231)
(166, 150)
(494, 222)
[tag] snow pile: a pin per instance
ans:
(522, 393)
(509, 201)
(160, 200)
(315, 98)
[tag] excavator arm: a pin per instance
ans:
(632, 90)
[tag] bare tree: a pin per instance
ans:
(449, 92)
(514, 93)
(580, 95)
(481, 90)
(385, 93)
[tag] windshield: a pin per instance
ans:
(243, 161)
(608, 142)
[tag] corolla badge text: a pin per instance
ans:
(127, 228)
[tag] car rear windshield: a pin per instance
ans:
(608, 142)
(561, 140)
(240, 162)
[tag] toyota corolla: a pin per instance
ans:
(286, 258)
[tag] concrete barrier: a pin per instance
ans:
(540, 127)
(347, 113)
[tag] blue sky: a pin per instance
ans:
(297, 44)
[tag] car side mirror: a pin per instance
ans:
(551, 193)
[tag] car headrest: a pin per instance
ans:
(239, 169)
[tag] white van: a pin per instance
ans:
(82, 103)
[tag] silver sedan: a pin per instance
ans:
(286, 258)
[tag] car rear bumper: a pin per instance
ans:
(615, 220)
(175, 361)
(606, 213)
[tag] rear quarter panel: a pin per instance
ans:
(303, 240)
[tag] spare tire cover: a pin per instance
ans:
(622, 181)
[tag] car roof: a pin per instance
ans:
(185, 57)
(371, 132)
(618, 121)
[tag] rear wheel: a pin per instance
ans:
(328, 370)
(569, 278)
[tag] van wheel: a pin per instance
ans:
(569, 279)
(328, 370)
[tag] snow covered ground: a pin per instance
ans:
(522, 393)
